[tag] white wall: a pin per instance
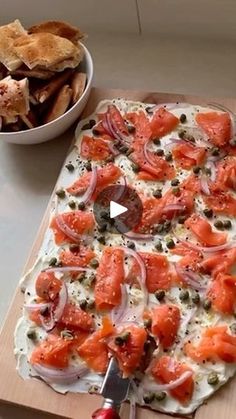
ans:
(214, 19)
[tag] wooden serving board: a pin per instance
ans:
(35, 394)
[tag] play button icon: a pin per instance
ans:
(117, 209)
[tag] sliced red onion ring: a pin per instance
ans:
(48, 323)
(210, 164)
(148, 156)
(67, 269)
(41, 306)
(213, 249)
(204, 185)
(113, 149)
(66, 229)
(190, 278)
(92, 186)
(63, 297)
(118, 312)
(111, 127)
(139, 260)
(120, 191)
(149, 386)
(174, 207)
(188, 318)
(171, 365)
(61, 376)
(175, 141)
(138, 236)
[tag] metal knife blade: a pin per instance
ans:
(114, 388)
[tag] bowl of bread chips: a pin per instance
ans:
(45, 79)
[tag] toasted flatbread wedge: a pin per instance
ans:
(44, 49)
(78, 84)
(8, 34)
(44, 93)
(60, 104)
(63, 29)
(69, 62)
(41, 74)
(30, 120)
(14, 97)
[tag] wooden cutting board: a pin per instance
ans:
(35, 394)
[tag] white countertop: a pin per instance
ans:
(28, 174)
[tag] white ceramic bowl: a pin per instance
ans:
(55, 128)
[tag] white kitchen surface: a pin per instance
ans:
(28, 174)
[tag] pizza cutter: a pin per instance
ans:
(114, 390)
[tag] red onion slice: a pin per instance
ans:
(210, 164)
(174, 207)
(120, 191)
(151, 386)
(48, 323)
(204, 185)
(63, 297)
(41, 306)
(113, 149)
(92, 186)
(64, 269)
(138, 236)
(190, 278)
(118, 312)
(71, 234)
(111, 127)
(187, 319)
(60, 376)
(148, 156)
(213, 249)
(139, 260)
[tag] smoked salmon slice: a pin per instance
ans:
(222, 293)
(220, 262)
(226, 175)
(191, 257)
(94, 148)
(167, 369)
(158, 273)
(141, 123)
(165, 323)
(128, 351)
(47, 286)
(162, 123)
(221, 203)
(216, 125)
(77, 256)
(109, 277)
(216, 343)
(53, 352)
(187, 156)
(202, 230)
(105, 176)
(74, 225)
(74, 318)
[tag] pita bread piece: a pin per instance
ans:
(14, 97)
(59, 28)
(60, 105)
(45, 92)
(36, 73)
(43, 49)
(8, 34)
(78, 84)
(69, 62)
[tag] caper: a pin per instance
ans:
(101, 239)
(52, 261)
(124, 148)
(182, 219)
(195, 298)
(149, 109)
(157, 193)
(129, 151)
(83, 304)
(168, 156)
(148, 398)
(207, 304)
(167, 226)
(174, 182)
(208, 212)
(160, 396)
(196, 170)
(135, 167)
(159, 152)
(158, 246)
(147, 323)
(219, 224)
(131, 245)
(95, 131)
(131, 129)
(102, 227)
(85, 126)
(88, 166)
(104, 215)
(170, 244)
(61, 193)
(70, 167)
(215, 151)
(176, 190)
(233, 328)
(67, 334)
(31, 334)
(110, 159)
(213, 378)
(121, 339)
(158, 229)
(94, 263)
(81, 206)
(156, 141)
(184, 295)
(183, 118)
(72, 204)
(182, 134)
(233, 142)
(92, 123)
(160, 295)
(227, 224)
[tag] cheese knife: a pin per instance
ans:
(114, 390)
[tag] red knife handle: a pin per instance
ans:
(102, 413)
